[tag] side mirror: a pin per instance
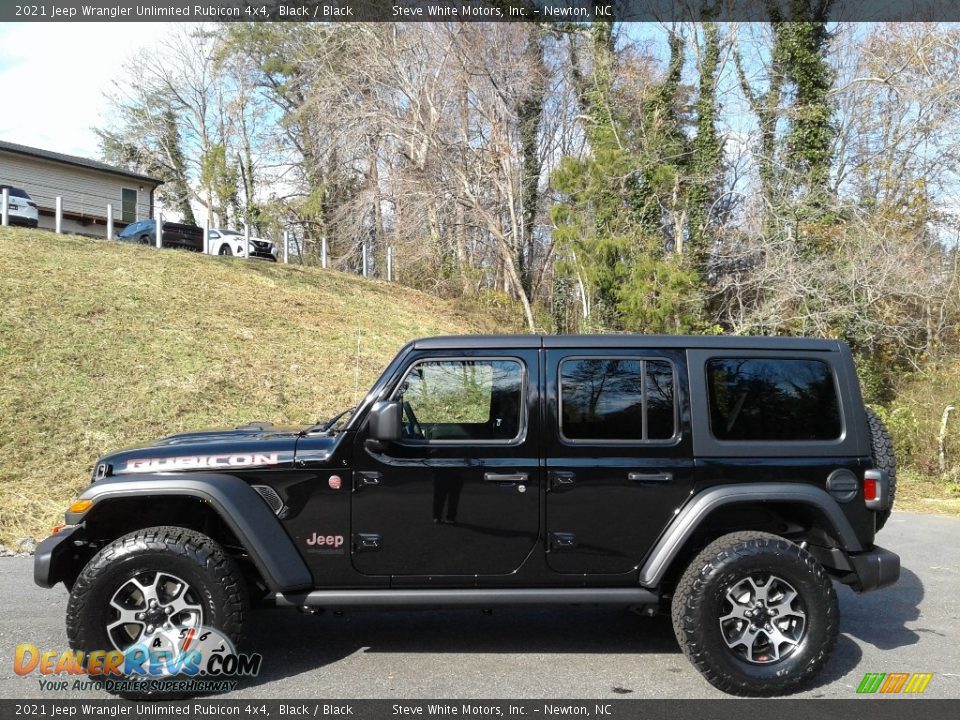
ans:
(386, 420)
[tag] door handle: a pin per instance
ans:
(561, 479)
(661, 477)
(367, 479)
(505, 477)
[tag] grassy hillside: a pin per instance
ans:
(104, 345)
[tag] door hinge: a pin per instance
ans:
(364, 542)
(562, 541)
(366, 480)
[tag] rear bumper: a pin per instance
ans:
(54, 558)
(864, 571)
(875, 569)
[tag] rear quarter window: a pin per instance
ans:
(771, 399)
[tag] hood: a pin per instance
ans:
(248, 447)
(252, 432)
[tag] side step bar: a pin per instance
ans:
(464, 598)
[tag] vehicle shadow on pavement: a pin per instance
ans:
(844, 661)
(897, 605)
(291, 644)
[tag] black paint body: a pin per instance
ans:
(420, 515)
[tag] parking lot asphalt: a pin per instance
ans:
(913, 626)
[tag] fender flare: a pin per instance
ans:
(234, 501)
(703, 504)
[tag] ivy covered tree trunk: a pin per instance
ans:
(707, 161)
(530, 114)
(178, 168)
(803, 44)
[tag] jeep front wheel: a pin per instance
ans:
(150, 583)
(755, 614)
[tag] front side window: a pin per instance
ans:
(772, 399)
(619, 399)
(463, 400)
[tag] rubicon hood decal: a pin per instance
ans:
(193, 462)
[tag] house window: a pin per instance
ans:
(128, 205)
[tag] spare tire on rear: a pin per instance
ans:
(881, 446)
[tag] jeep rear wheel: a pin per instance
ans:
(150, 583)
(755, 614)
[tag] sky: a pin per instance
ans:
(60, 72)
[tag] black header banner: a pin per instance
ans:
(539, 11)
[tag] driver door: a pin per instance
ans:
(458, 495)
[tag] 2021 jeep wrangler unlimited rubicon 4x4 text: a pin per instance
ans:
(730, 480)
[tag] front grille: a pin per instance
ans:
(271, 497)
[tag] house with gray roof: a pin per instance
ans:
(86, 186)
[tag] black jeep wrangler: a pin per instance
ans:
(729, 479)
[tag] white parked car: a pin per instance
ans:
(233, 242)
(21, 209)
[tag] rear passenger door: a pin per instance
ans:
(618, 455)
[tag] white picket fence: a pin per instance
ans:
(287, 238)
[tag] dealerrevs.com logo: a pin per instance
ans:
(188, 660)
(894, 683)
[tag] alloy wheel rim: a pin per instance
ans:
(763, 619)
(150, 603)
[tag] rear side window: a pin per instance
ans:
(618, 399)
(772, 399)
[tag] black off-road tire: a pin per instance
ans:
(881, 446)
(698, 602)
(225, 250)
(187, 554)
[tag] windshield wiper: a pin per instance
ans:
(329, 424)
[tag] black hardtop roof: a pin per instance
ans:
(711, 342)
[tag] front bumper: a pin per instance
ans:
(56, 558)
(23, 220)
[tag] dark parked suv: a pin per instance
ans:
(174, 235)
(728, 481)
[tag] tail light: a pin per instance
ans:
(874, 489)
